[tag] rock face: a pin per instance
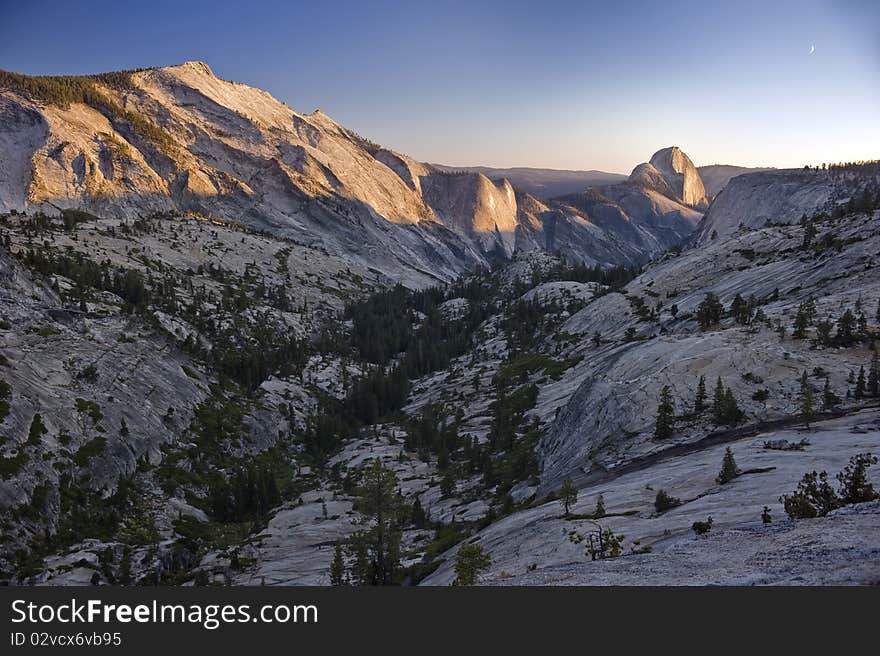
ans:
(716, 176)
(610, 418)
(532, 547)
(779, 197)
(179, 139)
(672, 173)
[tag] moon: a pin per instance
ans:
(812, 49)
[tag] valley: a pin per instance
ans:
(241, 345)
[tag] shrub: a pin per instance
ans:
(814, 497)
(89, 373)
(90, 408)
(604, 544)
(855, 487)
(664, 501)
(701, 528)
(89, 450)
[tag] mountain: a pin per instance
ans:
(672, 173)
(202, 346)
(783, 196)
(181, 140)
(543, 183)
(716, 176)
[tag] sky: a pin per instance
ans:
(555, 84)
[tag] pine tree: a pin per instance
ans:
(337, 567)
(805, 400)
(709, 311)
(718, 401)
(829, 398)
(874, 376)
(419, 518)
(809, 233)
(732, 413)
(729, 470)
(700, 398)
(470, 561)
(860, 383)
(600, 507)
(665, 424)
(855, 485)
(377, 547)
(568, 495)
(846, 326)
(823, 331)
(741, 310)
(37, 430)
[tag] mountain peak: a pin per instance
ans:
(671, 172)
(195, 66)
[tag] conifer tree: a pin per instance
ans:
(729, 470)
(700, 399)
(470, 561)
(337, 567)
(806, 400)
(855, 485)
(377, 547)
(419, 518)
(829, 398)
(741, 310)
(709, 311)
(600, 507)
(718, 401)
(732, 413)
(568, 495)
(846, 326)
(809, 233)
(860, 384)
(874, 376)
(823, 331)
(665, 424)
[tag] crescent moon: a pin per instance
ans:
(812, 49)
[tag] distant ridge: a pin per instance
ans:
(543, 183)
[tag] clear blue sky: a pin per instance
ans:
(556, 84)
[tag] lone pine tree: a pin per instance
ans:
(568, 495)
(600, 507)
(729, 470)
(470, 562)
